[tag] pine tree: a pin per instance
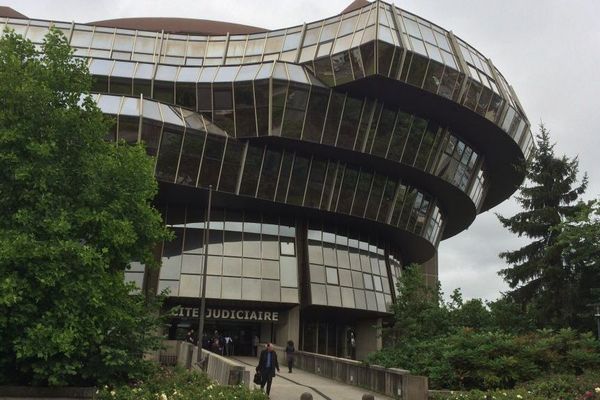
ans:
(538, 276)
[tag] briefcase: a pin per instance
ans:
(257, 378)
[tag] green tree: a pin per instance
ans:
(75, 212)
(579, 239)
(508, 316)
(538, 276)
(418, 312)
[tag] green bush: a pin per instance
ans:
(178, 384)
(560, 387)
(492, 360)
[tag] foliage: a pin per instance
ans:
(579, 238)
(468, 359)
(418, 311)
(75, 212)
(539, 277)
(178, 384)
(571, 387)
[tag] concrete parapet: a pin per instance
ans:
(394, 382)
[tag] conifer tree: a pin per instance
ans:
(539, 277)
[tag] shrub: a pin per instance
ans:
(490, 360)
(178, 384)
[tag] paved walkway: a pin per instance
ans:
(288, 386)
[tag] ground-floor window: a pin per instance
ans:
(331, 338)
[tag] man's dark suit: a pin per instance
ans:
(267, 373)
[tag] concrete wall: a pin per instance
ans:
(217, 367)
(368, 337)
(288, 327)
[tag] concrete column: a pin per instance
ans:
(288, 327)
(368, 337)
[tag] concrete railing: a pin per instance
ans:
(394, 382)
(217, 367)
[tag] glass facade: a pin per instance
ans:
(376, 39)
(310, 136)
(249, 256)
(347, 272)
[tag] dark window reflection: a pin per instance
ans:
(367, 52)
(121, 86)
(128, 128)
(231, 166)
(357, 66)
(284, 176)
(375, 197)
(204, 97)
(315, 118)
(371, 110)
(334, 113)
(295, 107)
(399, 136)
(185, 95)
(279, 96)
(151, 136)
(252, 165)
(315, 183)
(349, 123)
(261, 94)
(328, 185)
(414, 140)
(190, 158)
(298, 180)
(386, 201)
(342, 68)
(245, 120)
(142, 86)
(164, 91)
(418, 67)
(324, 72)
(426, 145)
(385, 54)
(347, 190)
(223, 107)
(166, 165)
(211, 161)
(384, 133)
(269, 174)
(362, 193)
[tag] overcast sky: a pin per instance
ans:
(549, 51)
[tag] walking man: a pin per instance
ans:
(267, 364)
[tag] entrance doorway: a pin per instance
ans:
(240, 332)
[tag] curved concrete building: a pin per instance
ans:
(339, 151)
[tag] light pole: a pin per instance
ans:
(203, 286)
(597, 316)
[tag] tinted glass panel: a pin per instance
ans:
(347, 190)
(349, 124)
(284, 176)
(295, 108)
(317, 107)
(231, 166)
(298, 180)
(315, 183)
(166, 165)
(334, 112)
(269, 174)
(252, 165)
(190, 158)
(245, 119)
(211, 161)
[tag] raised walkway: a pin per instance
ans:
(288, 386)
